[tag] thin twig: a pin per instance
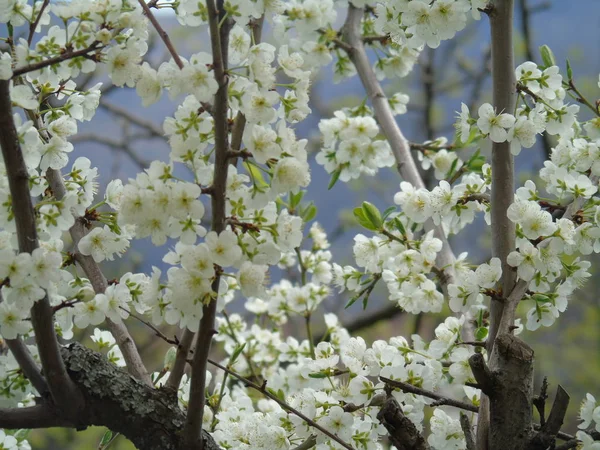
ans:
(263, 390)
(69, 54)
(162, 33)
(35, 23)
(439, 399)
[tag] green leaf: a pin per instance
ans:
(388, 211)
(362, 220)
(569, 71)
(452, 168)
(400, 226)
(295, 199)
(309, 213)
(256, 174)
(106, 440)
(334, 177)
(236, 353)
(317, 375)
(279, 393)
(481, 333)
(352, 301)
(547, 56)
(540, 298)
(373, 215)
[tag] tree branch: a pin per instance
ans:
(92, 270)
(407, 168)
(32, 417)
(219, 37)
(263, 390)
(64, 392)
(503, 229)
(69, 54)
(402, 432)
(439, 399)
(183, 350)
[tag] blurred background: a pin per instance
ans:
(124, 137)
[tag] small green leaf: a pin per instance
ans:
(540, 298)
(365, 302)
(388, 211)
(373, 215)
(334, 177)
(481, 333)
(295, 199)
(362, 220)
(256, 174)
(279, 393)
(400, 226)
(452, 168)
(352, 301)
(236, 353)
(106, 440)
(569, 71)
(309, 213)
(317, 375)
(547, 56)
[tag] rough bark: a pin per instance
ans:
(402, 432)
(509, 387)
(150, 418)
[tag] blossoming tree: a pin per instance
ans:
(234, 132)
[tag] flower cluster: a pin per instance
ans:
(350, 147)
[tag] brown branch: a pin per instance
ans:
(183, 351)
(465, 424)
(264, 391)
(27, 364)
(400, 146)
(219, 37)
(134, 362)
(503, 229)
(35, 23)
(439, 399)
(162, 33)
(69, 54)
(546, 437)
(64, 392)
(32, 417)
(402, 432)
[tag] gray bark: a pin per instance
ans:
(150, 418)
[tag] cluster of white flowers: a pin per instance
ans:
(589, 414)
(336, 381)
(350, 147)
